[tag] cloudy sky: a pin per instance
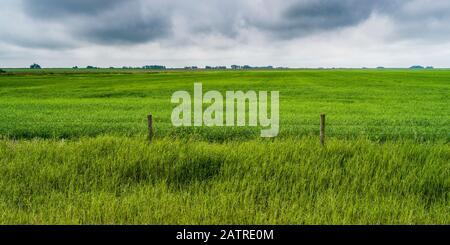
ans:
(177, 33)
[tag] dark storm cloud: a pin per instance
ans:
(104, 21)
(139, 21)
(61, 8)
(422, 20)
(110, 22)
(302, 18)
(126, 31)
(327, 14)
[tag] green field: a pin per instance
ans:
(73, 149)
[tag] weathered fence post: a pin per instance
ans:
(150, 128)
(322, 129)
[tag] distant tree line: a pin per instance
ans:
(154, 67)
(233, 67)
(162, 67)
(420, 67)
(245, 67)
(190, 67)
(215, 67)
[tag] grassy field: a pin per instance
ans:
(380, 104)
(73, 149)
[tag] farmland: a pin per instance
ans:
(73, 149)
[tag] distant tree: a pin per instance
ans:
(35, 66)
(2, 71)
(75, 67)
(380, 67)
(111, 67)
(429, 67)
(416, 67)
(91, 67)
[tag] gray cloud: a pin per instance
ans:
(220, 30)
(109, 22)
(104, 21)
(62, 8)
(140, 21)
(324, 15)
(421, 20)
(127, 31)
(302, 18)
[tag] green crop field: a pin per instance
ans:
(73, 149)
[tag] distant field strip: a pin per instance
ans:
(379, 104)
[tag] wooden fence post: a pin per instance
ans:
(322, 129)
(150, 128)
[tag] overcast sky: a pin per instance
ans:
(177, 33)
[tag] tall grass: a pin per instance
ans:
(125, 180)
